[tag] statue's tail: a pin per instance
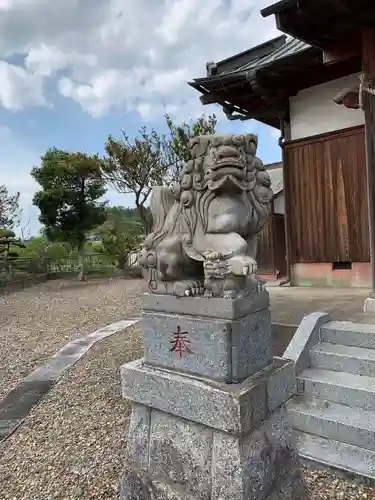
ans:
(161, 203)
(260, 197)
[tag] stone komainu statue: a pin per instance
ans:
(205, 228)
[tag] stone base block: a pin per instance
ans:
(171, 458)
(206, 307)
(195, 439)
(233, 408)
(221, 339)
(138, 485)
(369, 305)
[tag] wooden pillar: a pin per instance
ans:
(287, 204)
(368, 67)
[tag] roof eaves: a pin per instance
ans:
(230, 77)
(277, 7)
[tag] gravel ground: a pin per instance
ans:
(326, 486)
(37, 322)
(72, 446)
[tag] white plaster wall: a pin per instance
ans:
(313, 111)
(279, 204)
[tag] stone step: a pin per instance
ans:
(342, 423)
(348, 333)
(332, 453)
(339, 387)
(342, 358)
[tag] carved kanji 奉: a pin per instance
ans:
(180, 344)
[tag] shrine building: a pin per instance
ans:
(315, 87)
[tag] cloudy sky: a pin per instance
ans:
(74, 71)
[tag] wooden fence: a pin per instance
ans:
(93, 262)
(21, 269)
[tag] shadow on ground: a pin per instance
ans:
(281, 336)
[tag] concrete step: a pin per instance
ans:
(348, 333)
(338, 387)
(342, 423)
(332, 453)
(342, 358)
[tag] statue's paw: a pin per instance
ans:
(207, 294)
(217, 269)
(261, 284)
(212, 256)
(229, 294)
(242, 265)
(188, 288)
(193, 289)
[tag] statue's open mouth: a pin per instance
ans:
(228, 169)
(228, 162)
(227, 181)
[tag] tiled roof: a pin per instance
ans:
(290, 47)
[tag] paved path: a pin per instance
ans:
(290, 304)
(18, 403)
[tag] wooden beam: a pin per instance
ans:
(210, 98)
(344, 6)
(342, 51)
(368, 67)
(368, 51)
(302, 26)
(310, 76)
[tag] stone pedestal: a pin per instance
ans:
(207, 420)
(369, 305)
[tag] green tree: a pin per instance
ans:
(125, 214)
(8, 254)
(35, 247)
(40, 247)
(72, 185)
(176, 145)
(120, 234)
(117, 244)
(135, 166)
(10, 211)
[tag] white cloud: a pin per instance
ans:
(18, 88)
(134, 54)
(45, 60)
